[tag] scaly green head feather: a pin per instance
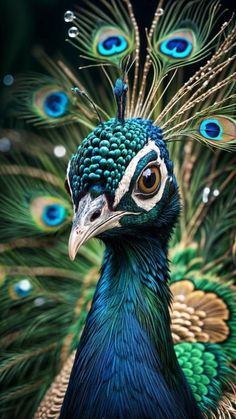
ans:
(124, 167)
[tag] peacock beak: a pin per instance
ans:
(91, 219)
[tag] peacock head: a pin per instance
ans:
(121, 182)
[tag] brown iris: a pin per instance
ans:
(149, 180)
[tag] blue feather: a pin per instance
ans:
(120, 366)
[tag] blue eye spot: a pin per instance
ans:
(211, 129)
(176, 47)
(112, 45)
(23, 288)
(56, 104)
(179, 44)
(53, 215)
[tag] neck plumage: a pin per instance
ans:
(125, 364)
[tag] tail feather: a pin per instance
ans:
(45, 298)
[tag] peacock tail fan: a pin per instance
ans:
(45, 298)
(152, 89)
(48, 102)
(40, 327)
(208, 213)
(106, 33)
(58, 98)
(42, 291)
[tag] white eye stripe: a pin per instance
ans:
(68, 181)
(124, 184)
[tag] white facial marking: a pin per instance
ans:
(68, 181)
(124, 185)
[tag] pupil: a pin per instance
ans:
(179, 44)
(212, 129)
(112, 40)
(52, 212)
(149, 179)
(52, 101)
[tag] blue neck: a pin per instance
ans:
(125, 364)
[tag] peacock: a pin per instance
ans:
(139, 321)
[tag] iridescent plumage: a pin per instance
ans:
(141, 351)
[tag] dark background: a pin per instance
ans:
(28, 23)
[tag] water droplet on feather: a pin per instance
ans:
(73, 32)
(159, 12)
(69, 16)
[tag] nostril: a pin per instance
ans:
(95, 215)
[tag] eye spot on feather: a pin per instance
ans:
(56, 104)
(112, 45)
(51, 102)
(178, 45)
(217, 128)
(49, 213)
(110, 42)
(53, 215)
(211, 129)
(21, 289)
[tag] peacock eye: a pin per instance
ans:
(149, 181)
(49, 213)
(50, 101)
(56, 104)
(111, 41)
